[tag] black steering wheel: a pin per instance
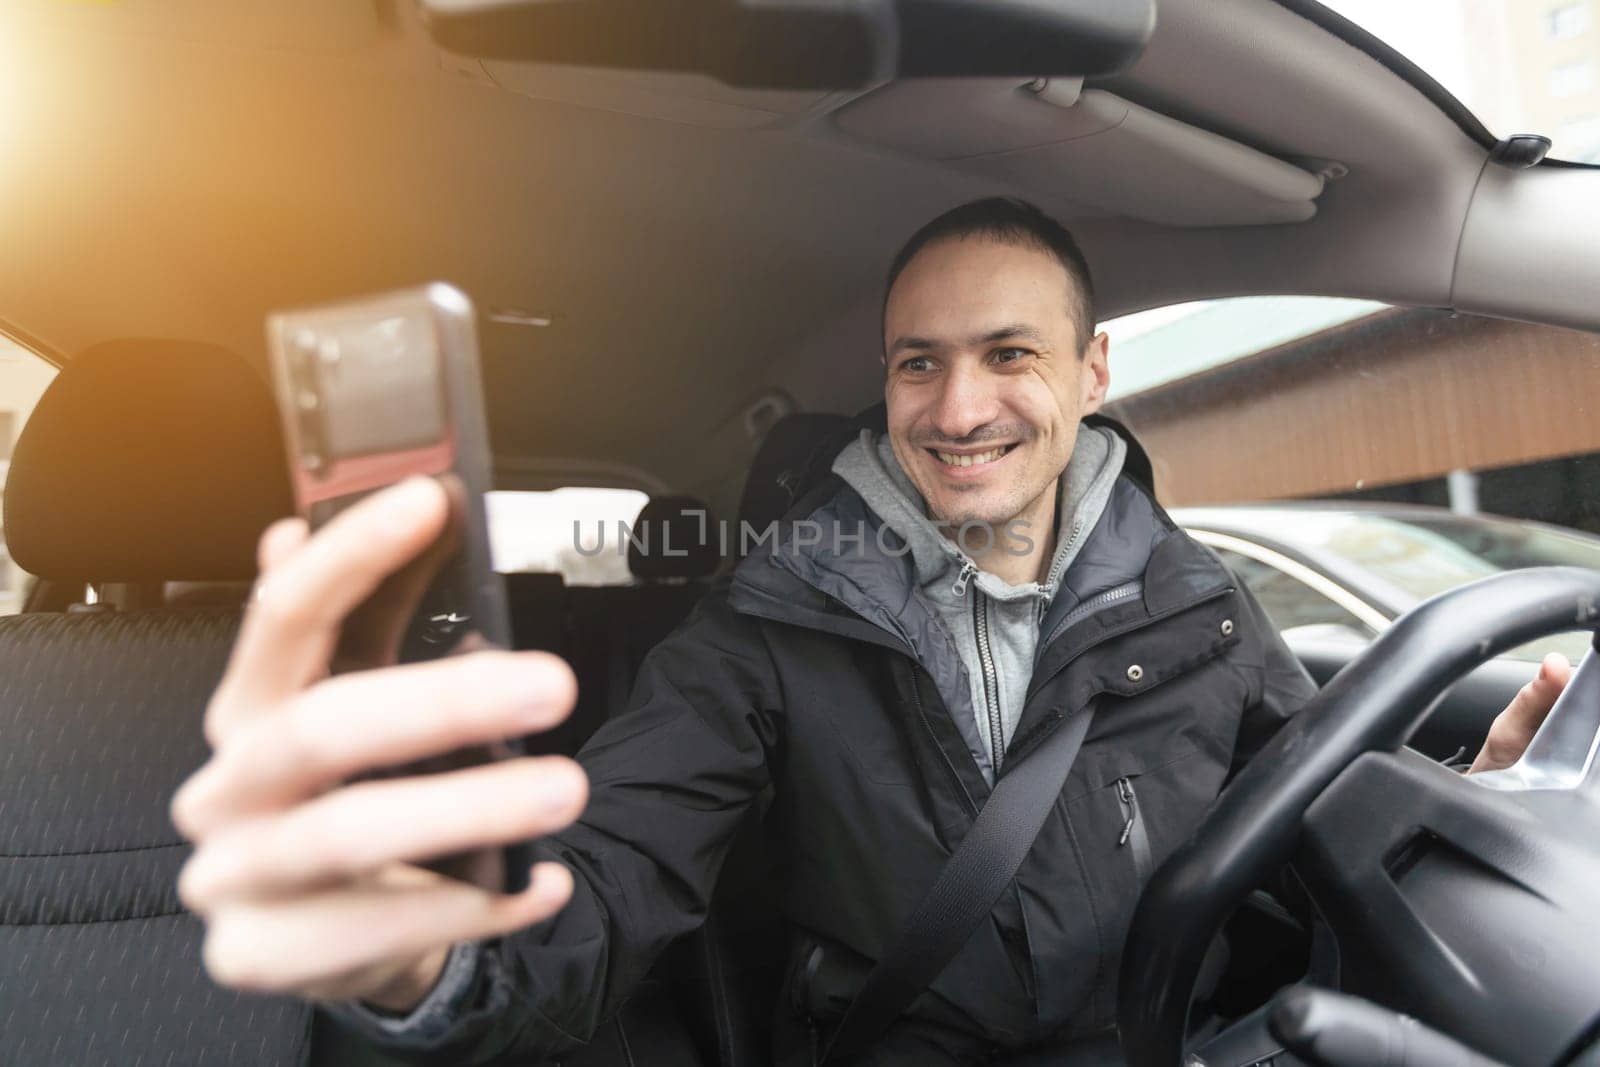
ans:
(1469, 908)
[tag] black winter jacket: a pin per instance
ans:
(816, 678)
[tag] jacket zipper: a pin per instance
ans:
(1125, 591)
(991, 683)
(1133, 836)
(1112, 596)
(922, 716)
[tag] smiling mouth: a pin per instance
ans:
(970, 459)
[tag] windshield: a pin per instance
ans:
(1521, 66)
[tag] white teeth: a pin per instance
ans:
(954, 460)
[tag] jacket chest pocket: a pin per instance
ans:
(1125, 820)
(1151, 770)
(1150, 773)
(1135, 836)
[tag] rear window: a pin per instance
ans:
(23, 378)
(573, 532)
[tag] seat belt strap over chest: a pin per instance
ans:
(966, 890)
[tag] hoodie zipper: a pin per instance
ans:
(991, 682)
(991, 678)
(964, 577)
(1133, 836)
(1054, 573)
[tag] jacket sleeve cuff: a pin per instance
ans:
(438, 1012)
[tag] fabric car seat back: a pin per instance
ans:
(144, 461)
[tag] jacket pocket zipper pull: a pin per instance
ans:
(1125, 794)
(967, 571)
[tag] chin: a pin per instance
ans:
(957, 510)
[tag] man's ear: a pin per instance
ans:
(1096, 376)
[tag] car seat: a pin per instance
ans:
(144, 462)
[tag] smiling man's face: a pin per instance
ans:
(988, 375)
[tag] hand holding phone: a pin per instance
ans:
(305, 871)
(373, 391)
(306, 866)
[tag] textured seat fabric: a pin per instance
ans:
(99, 963)
(144, 461)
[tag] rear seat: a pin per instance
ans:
(612, 628)
(541, 618)
(144, 462)
(537, 604)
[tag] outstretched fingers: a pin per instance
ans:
(351, 832)
(309, 942)
(371, 720)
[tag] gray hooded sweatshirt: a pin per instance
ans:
(995, 625)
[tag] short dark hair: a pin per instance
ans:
(1010, 221)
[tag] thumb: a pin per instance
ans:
(1514, 727)
(1554, 673)
(1535, 699)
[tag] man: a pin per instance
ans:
(985, 572)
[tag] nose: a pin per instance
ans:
(966, 402)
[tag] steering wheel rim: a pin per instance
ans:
(1375, 703)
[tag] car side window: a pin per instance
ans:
(23, 377)
(1288, 602)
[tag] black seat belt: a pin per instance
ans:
(966, 890)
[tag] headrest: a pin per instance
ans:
(147, 461)
(797, 449)
(681, 526)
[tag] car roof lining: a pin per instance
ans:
(686, 267)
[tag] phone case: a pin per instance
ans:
(372, 391)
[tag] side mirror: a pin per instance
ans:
(805, 44)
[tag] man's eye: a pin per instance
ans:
(917, 365)
(1009, 355)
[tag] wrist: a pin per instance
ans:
(410, 986)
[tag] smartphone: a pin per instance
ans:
(373, 391)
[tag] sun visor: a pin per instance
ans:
(1055, 139)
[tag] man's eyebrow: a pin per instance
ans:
(914, 343)
(1014, 329)
(920, 344)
